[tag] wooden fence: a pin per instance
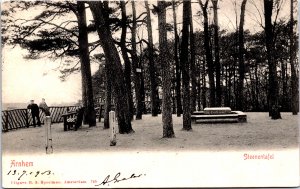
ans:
(20, 118)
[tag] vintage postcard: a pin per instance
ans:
(177, 93)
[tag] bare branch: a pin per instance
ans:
(256, 19)
(259, 13)
(49, 23)
(72, 8)
(278, 8)
(94, 45)
(141, 16)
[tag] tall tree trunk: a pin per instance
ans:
(89, 113)
(167, 120)
(152, 68)
(217, 54)
(274, 108)
(143, 89)
(227, 102)
(126, 59)
(203, 84)
(256, 87)
(240, 87)
(173, 99)
(177, 64)
(84, 95)
(114, 67)
(199, 94)
(185, 65)
(108, 88)
(193, 62)
(294, 80)
(209, 59)
(108, 92)
(284, 96)
(143, 93)
(233, 73)
(251, 102)
(135, 66)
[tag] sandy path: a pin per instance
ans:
(260, 132)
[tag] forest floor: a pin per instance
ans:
(258, 133)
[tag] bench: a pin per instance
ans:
(242, 117)
(232, 117)
(217, 110)
(215, 118)
(73, 119)
(69, 120)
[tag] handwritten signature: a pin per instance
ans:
(117, 178)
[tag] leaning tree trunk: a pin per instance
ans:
(89, 113)
(193, 62)
(185, 65)
(217, 56)
(240, 87)
(177, 65)
(136, 73)
(209, 59)
(273, 83)
(127, 70)
(152, 68)
(294, 80)
(166, 72)
(115, 67)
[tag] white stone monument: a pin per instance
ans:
(48, 135)
(112, 126)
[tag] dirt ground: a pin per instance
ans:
(260, 132)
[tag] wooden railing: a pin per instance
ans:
(20, 118)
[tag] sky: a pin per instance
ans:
(23, 80)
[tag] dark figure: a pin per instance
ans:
(79, 119)
(44, 107)
(35, 113)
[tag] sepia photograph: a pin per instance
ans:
(137, 93)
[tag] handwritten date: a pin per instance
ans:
(21, 174)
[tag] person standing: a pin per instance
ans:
(35, 113)
(44, 107)
(47, 122)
